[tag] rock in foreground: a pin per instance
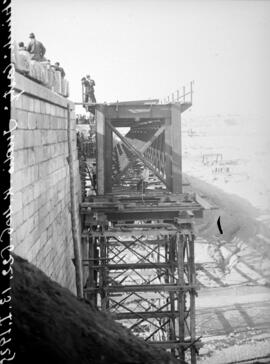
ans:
(52, 326)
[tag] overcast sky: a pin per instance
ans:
(148, 49)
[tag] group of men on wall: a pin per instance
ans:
(37, 52)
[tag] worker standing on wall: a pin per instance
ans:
(36, 48)
(91, 89)
(86, 89)
(88, 93)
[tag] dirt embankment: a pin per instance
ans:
(237, 216)
(52, 326)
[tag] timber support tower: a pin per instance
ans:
(137, 236)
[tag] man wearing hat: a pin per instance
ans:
(86, 89)
(36, 48)
(91, 88)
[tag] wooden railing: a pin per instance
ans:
(183, 96)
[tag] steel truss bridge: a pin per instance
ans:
(137, 235)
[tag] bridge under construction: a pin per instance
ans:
(137, 222)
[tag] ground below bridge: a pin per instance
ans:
(233, 306)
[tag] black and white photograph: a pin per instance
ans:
(137, 210)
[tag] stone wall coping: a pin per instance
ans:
(39, 91)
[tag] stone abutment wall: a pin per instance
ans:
(40, 181)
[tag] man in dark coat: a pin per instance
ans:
(91, 88)
(86, 89)
(36, 48)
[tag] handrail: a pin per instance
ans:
(177, 98)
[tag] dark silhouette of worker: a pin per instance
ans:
(36, 48)
(86, 89)
(91, 89)
(88, 93)
(58, 68)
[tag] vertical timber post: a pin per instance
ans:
(103, 273)
(92, 261)
(168, 153)
(172, 257)
(176, 149)
(104, 152)
(100, 136)
(108, 158)
(181, 294)
(192, 280)
(85, 269)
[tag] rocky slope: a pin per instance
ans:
(52, 326)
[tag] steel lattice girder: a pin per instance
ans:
(166, 164)
(153, 298)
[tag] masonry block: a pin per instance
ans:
(44, 137)
(38, 153)
(47, 152)
(44, 223)
(31, 156)
(22, 233)
(34, 173)
(47, 121)
(25, 102)
(49, 231)
(18, 101)
(24, 153)
(18, 159)
(47, 108)
(63, 136)
(28, 138)
(17, 181)
(16, 219)
(36, 138)
(43, 169)
(32, 120)
(27, 195)
(20, 249)
(42, 107)
(63, 123)
(37, 105)
(39, 118)
(31, 105)
(35, 247)
(30, 225)
(22, 119)
(36, 189)
(57, 111)
(53, 110)
(16, 202)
